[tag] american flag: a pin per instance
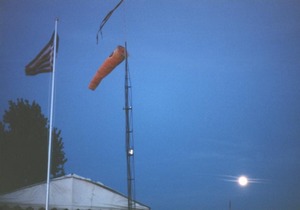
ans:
(43, 62)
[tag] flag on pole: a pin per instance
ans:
(43, 62)
(106, 19)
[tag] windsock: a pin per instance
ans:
(118, 55)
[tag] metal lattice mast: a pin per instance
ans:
(129, 138)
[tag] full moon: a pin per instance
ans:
(243, 181)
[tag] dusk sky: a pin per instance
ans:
(215, 89)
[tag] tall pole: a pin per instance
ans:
(51, 118)
(129, 139)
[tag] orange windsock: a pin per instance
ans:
(118, 55)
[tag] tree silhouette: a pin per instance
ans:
(24, 147)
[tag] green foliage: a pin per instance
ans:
(24, 147)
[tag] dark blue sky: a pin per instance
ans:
(216, 93)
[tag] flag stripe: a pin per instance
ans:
(43, 62)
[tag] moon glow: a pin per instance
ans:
(243, 181)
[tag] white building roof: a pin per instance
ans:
(69, 192)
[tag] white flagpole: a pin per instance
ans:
(51, 119)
